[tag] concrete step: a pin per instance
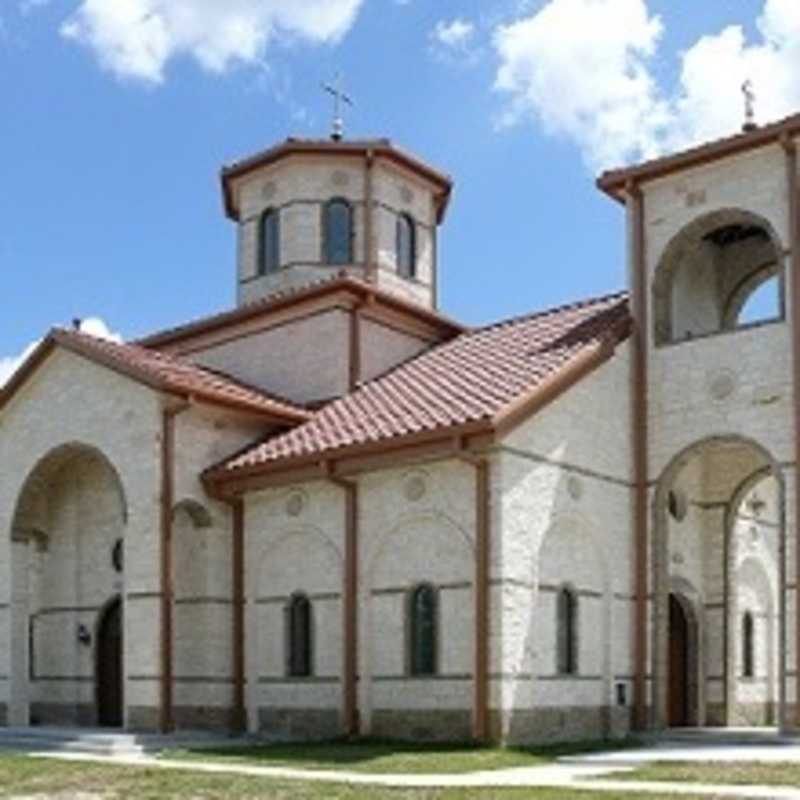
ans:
(106, 742)
(724, 736)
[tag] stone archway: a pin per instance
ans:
(69, 518)
(691, 544)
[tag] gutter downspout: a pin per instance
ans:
(483, 525)
(639, 446)
(239, 714)
(352, 722)
(168, 417)
(793, 204)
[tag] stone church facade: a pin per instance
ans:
(335, 511)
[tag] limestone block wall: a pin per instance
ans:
(70, 401)
(203, 570)
(294, 543)
(269, 359)
(565, 519)
(383, 348)
(417, 527)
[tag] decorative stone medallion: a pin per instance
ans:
(295, 504)
(575, 487)
(406, 195)
(721, 385)
(415, 488)
(340, 178)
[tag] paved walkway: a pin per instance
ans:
(594, 772)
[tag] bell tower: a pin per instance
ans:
(310, 209)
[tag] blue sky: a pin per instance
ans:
(119, 115)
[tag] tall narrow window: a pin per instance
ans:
(748, 645)
(567, 631)
(338, 228)
(299, 636)
(269, 258)
(422, 630)
(406, 246)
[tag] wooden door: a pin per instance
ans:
(109, 667)
(678, 695)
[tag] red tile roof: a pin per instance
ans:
(161, 372)
(476, 377)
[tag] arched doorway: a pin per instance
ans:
(109, 672)
(701, 538)
(678, 692)
(70, 516)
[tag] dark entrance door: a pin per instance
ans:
(678, 701)
(109, 667)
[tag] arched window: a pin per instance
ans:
(269, 244)
(748, 645)
(422, 630)
(567, 631)
(338, 232)
(299, 636)
(406, 246)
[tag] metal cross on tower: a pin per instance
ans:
(339, 98)
(749, 106)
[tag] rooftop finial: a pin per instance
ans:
(749, 106)
(339, 97)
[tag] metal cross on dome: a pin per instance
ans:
(749, 106)
(339, 98)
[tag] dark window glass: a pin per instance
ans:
(299, 623)
(406, 246)
(567, 632)
(270, 242)
(423, 631)
(338, 232)
(748, 646)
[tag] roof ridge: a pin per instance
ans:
(575, 305)
(340, 279)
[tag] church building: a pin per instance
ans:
(335, 511)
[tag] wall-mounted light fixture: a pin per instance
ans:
(84, 635)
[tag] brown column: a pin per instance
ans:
(352, 722)
(482, 621)
(369, 224)
(166, 721)
(639, 446)
(790, 148)
(239, 718)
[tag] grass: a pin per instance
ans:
(383, 757)
(45, 779)
(742, 773)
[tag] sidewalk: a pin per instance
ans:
(564, 775)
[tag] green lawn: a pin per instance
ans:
(45, 779)
(372, 756)
(737, 773)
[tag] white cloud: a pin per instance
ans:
(456, 33)
(92, 325)
(137, 38)
(576, 69)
